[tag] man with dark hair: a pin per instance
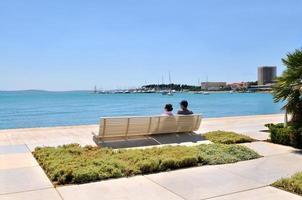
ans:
(184, 108)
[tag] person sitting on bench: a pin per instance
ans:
(184, 108)
(168, 110)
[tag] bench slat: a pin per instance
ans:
(147, 125)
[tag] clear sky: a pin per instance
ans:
(76, 44)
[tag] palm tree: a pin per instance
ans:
(289, 86)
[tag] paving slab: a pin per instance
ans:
(49, 136)
(46, 194)
(270, 149)
(203, 182)
(267, 170)
(12, 149)
(19, 160)
(23, 179)
(135, 188)
(265, 193)
(252, 126)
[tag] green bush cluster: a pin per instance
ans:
(290, 135)
(227, 137)
(292, 184)
(70, 164)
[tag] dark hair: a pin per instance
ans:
(168, 107)
(184, 103)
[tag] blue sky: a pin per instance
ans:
(73, 44)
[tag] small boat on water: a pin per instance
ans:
(164, 92)
(103, 92)
(169, 93)
(202, 92)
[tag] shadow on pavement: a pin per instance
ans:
(152, 140)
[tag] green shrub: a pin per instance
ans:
(290, 135)
(292, 184)
(278, 125)
(296, 138)
(70, 164)
(227, 137)
(280, 135)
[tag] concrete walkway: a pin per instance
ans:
(22, 178)
(252, 126)
(229, 181)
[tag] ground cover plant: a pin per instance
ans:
(227, 137)
(73, 164)
(292, 184)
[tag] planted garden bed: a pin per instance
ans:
(292, 184)
(73, 164)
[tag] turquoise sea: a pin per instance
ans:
(24, 109)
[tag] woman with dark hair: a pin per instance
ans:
(168, 110)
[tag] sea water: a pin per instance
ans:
(22, 109)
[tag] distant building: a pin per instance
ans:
(267, 75)
(213, 85)
(259, 88)
(239, 86)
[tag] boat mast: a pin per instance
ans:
(169, 82)
(207, 84)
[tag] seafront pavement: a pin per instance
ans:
(252, 126)
(22, 178)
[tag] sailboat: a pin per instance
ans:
(163, 92)
(207, 87)
(169, 92)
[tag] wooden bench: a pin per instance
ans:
(128, 127)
